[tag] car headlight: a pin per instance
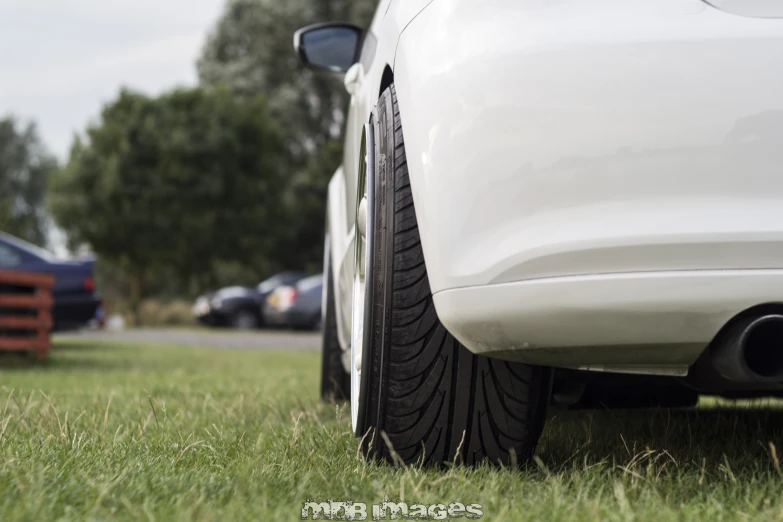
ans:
(201, 307)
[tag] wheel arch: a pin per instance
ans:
(417, 85)
(387, 79)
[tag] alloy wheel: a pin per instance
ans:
(362, 257)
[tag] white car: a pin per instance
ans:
(542, 198)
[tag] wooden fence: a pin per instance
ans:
(25, 312)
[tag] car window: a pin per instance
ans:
(269, 284)
(9, 257)
(310, 283)
(284, 278)
(19, 246)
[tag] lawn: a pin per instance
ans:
(106, 431)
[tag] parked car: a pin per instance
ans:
(239, 306)
(75, 298)
(593, 187)
(296, 306)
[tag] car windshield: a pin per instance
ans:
(26, 247)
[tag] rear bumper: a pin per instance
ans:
(291, 317)
(629, 322)
(74, 311)
(212, 319)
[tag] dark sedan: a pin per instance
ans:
(75, 299)
(239, 306)
(296, 306)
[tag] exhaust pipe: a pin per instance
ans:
(751, 350)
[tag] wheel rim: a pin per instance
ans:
(362, 238)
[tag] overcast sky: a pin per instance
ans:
(60, 60)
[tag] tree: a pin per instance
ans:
(25, 168)
(250, 51)
(166, 188)
(308, 190)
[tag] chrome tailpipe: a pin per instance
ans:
(751, 350)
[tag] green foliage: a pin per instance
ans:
(25, 168)
(250, 51)
(198, 188)
(164, 188)
(177, 312)
(309, 191)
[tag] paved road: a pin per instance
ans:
(230, 339)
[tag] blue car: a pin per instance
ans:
(75, 298)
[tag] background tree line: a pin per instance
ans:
(222, 183)
(25, 168)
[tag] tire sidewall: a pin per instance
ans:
(378, 286)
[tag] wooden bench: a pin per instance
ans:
(25, 312)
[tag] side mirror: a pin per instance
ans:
(331, 46)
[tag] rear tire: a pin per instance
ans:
(335, 381)
(424, 397)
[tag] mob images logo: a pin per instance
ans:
(387, 510)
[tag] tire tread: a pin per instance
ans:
(442, 403)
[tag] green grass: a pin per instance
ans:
(107, 431)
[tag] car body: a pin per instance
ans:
(239, 306)
(598, 186)
(618, 187)
(75, 298)
(297, 305)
